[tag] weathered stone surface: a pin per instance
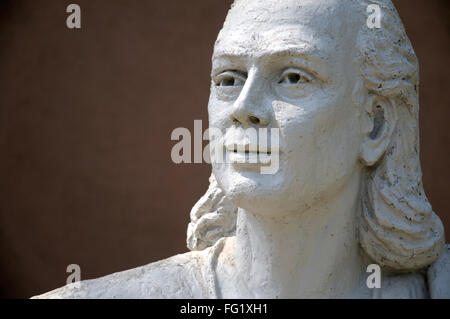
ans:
(347, 191)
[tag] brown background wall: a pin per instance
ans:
(85, 122)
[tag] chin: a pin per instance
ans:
(255, 192)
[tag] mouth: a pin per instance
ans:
(252, 154)
(250, 149)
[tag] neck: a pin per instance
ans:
(310, 254)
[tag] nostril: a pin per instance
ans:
(236, 121)
(254, 119)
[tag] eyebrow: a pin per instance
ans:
(298, 47)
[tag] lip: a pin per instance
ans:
(250, 154)
(251, 149)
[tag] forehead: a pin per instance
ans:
(272, 39)
(255, 27)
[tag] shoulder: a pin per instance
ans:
(434, 283)
(404, 286)
(439, 276)
(180, 276)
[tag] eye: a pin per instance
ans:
(230, 78)
(294, 76)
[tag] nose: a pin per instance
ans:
(250, 108)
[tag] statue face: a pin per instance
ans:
(288, 65)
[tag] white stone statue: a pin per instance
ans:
(348, 191)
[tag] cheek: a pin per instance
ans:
(219, 113)
(320, 141)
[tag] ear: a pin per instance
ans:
(380, 120)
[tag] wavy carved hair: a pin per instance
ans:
(397, 228)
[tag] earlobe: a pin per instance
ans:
(382, 116)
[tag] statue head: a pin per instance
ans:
(345, 100)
